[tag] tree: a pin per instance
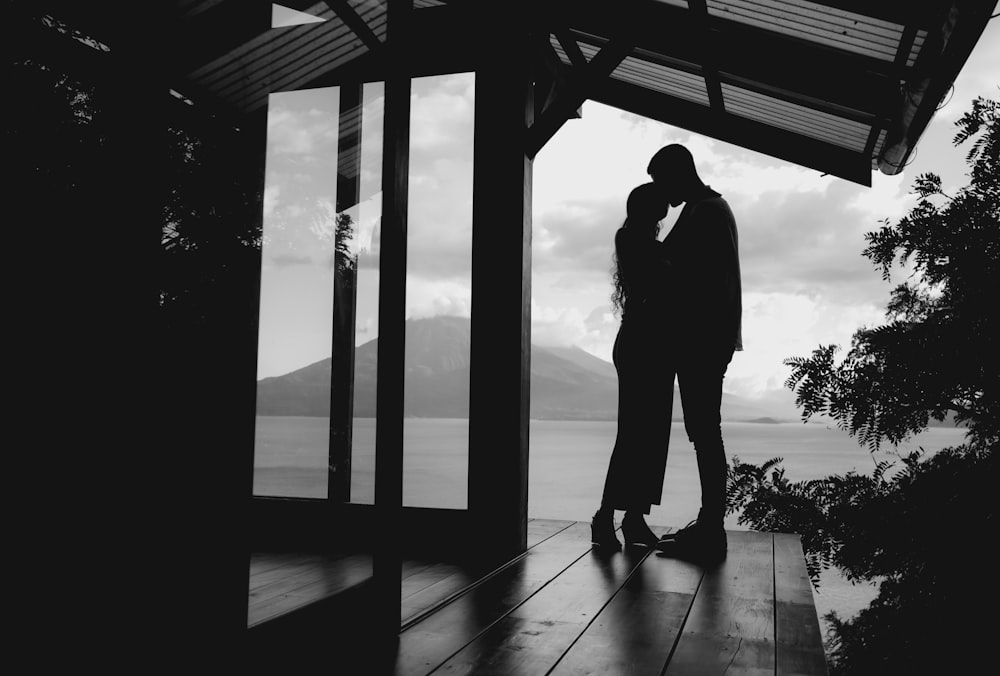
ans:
(921, 527)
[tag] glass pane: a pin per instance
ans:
(295, 336)
(306, 222)
(366, 324)
(439, 293)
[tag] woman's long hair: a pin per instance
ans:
(644, 209)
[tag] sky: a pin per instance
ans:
(805, 282)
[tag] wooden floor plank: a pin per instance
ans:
(431, 641)
(414, 567)
(427, 577)
(540, 529)
(432, 594)
(533, 636)
(266, 568)
(637, 630)
(564, 609)
(731, 625)
(298, 577)
(449, 579)
(351, 570)
(798, 640)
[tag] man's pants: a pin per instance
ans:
(699, 378)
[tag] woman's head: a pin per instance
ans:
(645, 208)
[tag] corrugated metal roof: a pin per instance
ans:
(659, 78)
(817, 23)
(795, 118)
(832, 84)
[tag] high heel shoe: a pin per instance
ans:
(602, 532)
(636, 532)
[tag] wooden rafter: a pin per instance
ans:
(357, 24)
(551, 76)
(709, 67)
(902, 53)
(576, 91)
(570, 46)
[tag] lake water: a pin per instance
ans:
(567, 462)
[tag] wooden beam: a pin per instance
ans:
(941, 58)
(572, 49)
(345, 293)
(357, 24)
(730, 128)
(391, 318)
(551, 75)
(709, 66)
(800, 99)
(573, 96)
(902, 54)
(500, 356)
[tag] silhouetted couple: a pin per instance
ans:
(680, 306)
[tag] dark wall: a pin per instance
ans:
(136, 483)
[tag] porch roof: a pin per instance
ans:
(840, 86)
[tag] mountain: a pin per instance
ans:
(567, 383)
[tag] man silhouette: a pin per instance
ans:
(704, 249)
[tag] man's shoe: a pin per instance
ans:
(695, 542)
(674, 534)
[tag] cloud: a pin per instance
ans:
(430, 298)
(778, 325)
(442, 116)
(301, 132)
(567, 326)
(551, 326)
(440, 220)
(811, 242)
(439, 208)
(579, 236)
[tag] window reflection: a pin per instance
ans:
(439, 293)
(319, 284)
(296, 295)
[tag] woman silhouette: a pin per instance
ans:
(634, 480)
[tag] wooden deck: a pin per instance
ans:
(564, 608)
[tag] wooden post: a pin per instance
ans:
(501, 299)
(391, 322)
(345, 292)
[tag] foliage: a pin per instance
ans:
(932, 357)
(212, 176)
(920, 527)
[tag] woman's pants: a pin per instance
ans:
(647, 367)
(645, 396)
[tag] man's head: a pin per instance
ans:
(672, 170)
